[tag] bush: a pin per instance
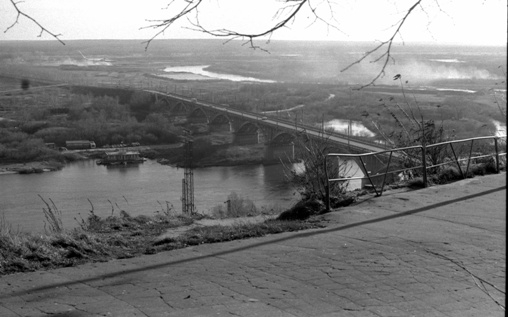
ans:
(236, 206)
(302, 210)
(448, 174)
(416, 183)
(342, 201)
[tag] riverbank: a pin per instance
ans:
(122, 236)
(30, 167)
(419, 253)
(212, 155)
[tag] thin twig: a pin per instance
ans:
(21, 13)
(387, 53)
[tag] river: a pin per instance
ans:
(357, 128)
(139, 190)
(199, 73)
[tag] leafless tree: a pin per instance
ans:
(285, 15)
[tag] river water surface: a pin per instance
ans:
(199, 73)
(138, 190)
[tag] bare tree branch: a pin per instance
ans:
(293, 7)
(387, 53)
(20, 13)
(282, 19)
(163, 25)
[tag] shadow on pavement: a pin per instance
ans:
(254, 245)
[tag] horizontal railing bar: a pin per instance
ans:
(376, 175)
(410, 168)
(374, 153)
(424, 167)
(466, 140)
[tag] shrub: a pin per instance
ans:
(236, 206)
(448, 174)
(302, 210)
(342, 201)
(311, 179)
(415, 183)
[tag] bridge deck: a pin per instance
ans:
(355, 144)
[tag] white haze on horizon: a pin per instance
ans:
(422, 72)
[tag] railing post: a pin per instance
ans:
(497, 155)
(457, 161)
(424, 165)
(386, 173)
(327, 198)
(327, 188)
(469, 158)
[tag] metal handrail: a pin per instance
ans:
(424, 167)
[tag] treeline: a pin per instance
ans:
(462, 115)
(102, 119)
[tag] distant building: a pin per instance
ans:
(80, 145)
(121, 158)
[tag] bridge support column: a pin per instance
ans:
(278, 152)
(375, 166)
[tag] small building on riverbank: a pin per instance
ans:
(80, 145)
(121, 158)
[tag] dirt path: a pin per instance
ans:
(175, 232)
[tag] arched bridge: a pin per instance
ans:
(202, 111)
(251, 128)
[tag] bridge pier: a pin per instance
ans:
(220, 123)
(278, 152)
(375, 165)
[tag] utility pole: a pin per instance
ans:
(228, 206)
(323, 125)
(188, 180)
(349, 132)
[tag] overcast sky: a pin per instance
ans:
(442, 21)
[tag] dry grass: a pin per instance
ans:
(122, 236)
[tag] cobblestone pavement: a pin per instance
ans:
(439, 251)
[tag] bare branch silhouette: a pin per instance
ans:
(21, 13)
(282, 18)
(386, 55)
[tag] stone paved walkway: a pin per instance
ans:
(439, 251)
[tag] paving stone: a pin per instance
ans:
(418, 264)
(4, 312)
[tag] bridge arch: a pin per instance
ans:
(283, 138)
(248, 127)
(164, 102)
(220, 123)
(197, 115)
(248, 133)
(220, 119)
(179, 109)
(281, 147)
